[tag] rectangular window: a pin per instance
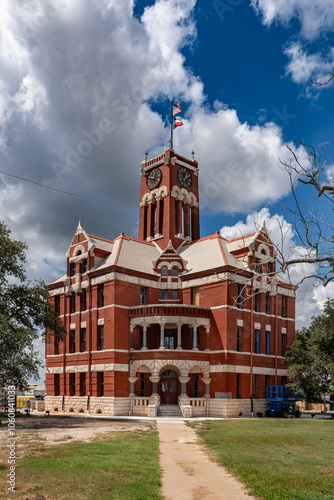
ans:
(57, 305)
(100, 384)
(73, 269)
(83, 339)
(267, 381)
(282, 344)
(57, 384)
(169, 342)
(267, 303)
(257, 265)
(73, 303)
(238, 338)
(256, 301)
(238, 386)
(268, 268)
(72, 340)
(82, 384)
(257, 342)
(84, 266)
(283, 381)
(175, 294)
(72, 384)
(84, 300)
(283, 306)
(143, 384)
(267, 343)
(57, 344)
(256, 386)
(143, 295)
(100, 337)
(163, 295)
(101, 295)
(239, 297)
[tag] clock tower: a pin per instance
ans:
(169, 204)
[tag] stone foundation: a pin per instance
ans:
(221, 408)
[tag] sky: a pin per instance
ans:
(85, 89)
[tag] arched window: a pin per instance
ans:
(175, 271)
(164, 271)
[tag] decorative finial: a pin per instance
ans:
(146, 153)
(193, 154)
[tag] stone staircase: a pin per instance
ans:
(169, 411)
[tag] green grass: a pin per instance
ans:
(122, 466)
(276, 458)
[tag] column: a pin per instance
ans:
(144, 348)
(195, 338)
(179, 344)
(184, 381)
(155, 381)
(162, 336)
(206, 381)
(132, 381)
(186, 215)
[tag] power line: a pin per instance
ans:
(55, 189)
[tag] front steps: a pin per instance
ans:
(169, 411)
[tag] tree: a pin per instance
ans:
(312, 221)
(311, 356)
(24, 312)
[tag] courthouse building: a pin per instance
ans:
(169, 318)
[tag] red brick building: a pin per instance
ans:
(169, 317)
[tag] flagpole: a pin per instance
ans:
(171, 124)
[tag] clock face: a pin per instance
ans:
(184, 177)
(154, 178)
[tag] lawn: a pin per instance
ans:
(276, 459)
(122, 465)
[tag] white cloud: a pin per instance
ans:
(315, 21)
(315, 18)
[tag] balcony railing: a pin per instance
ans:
(170, 310)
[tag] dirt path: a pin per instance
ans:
(188, 473)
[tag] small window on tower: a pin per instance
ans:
(175, 271)
(164, 271)
(73, 269)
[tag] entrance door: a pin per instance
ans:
(168, 392)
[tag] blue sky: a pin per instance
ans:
(240, 68)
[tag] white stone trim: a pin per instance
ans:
(83, 324)
(257, 370)
(154, 195)
(283, 330)
(157, 366)
(54, 369)
(268, 328)
(110, 367)
(72, 325)
(100, 321)
(240, 322)
(257, 326)
(76, 369)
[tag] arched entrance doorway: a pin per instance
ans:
(168, 392)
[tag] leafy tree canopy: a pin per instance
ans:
(311, 356)
(24, 312)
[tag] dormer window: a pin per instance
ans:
(73, 269)
(84, 266)
(175, 271)
(164, 271)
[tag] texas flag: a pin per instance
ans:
(177, 110)
(178, 122)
